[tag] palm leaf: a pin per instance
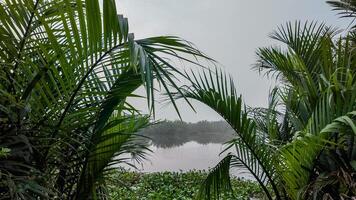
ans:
(216, 91)
(69, 67)
(218, 180)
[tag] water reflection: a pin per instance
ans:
(189, 156)
(176, 133)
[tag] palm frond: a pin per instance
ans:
(298, 159)
(218, 180)
(346, 8)
(219, 93)
(69, 66)
(106, 145)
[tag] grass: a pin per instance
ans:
(171, 186)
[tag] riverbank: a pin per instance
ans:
(171, 185)
(169, 134)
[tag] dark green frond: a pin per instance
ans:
(218, 92)
(218, 181)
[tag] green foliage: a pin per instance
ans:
(346, 9)
(303, 144)
(4, 152)
(67, 69)
(252, 154)
(171, 185)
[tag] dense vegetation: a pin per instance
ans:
(172, 185)
(68, 67)
(175, 133)
(303, 144)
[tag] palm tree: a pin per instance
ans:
(346, 8)
(67, 68)
(302, 145)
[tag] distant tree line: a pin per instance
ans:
(175, 133)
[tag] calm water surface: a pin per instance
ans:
(189, 156)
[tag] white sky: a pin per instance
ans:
(227, 30)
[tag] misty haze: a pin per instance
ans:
(177, 100)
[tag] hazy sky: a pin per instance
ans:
(227, 30)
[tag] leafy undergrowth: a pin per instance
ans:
(171, 186)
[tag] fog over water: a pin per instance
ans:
(229, 31)
(176, 133)
(190, 155)
(181, 146)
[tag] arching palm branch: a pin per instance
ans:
(252, 152)
(67, 68)
(310, 114)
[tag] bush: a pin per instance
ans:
(171, 185)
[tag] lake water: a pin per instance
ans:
(189, 156)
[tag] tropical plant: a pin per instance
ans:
(346, 8)
(302, 146)
(172, 185)
(67, 68)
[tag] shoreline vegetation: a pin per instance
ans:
(179, 185)
(169, 134)
(172, 185)
(69, 69)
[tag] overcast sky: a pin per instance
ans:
(229, 31)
